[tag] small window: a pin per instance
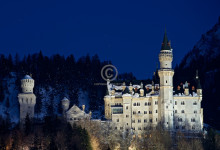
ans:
(193, 120)
(150, 112)
(145, 103)
(145, 120)
(139, 112)
(151, 120)
(133, 121)
(121, 128)
(134, 112)
(149, 103)
(145, 112)
(156, 102)
(139, 128)
(127, 116)
(139, 120)
(117, 120)
(182, 111)
(175, 111)
(134, 104)
(156, 111)
(166, 81)
(180, 120)
(175, 102)
(126, 107)
(195, 103)
(115, 128)
(138, 104)
(156, 119)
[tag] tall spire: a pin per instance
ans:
(166, 43)
(198, 81)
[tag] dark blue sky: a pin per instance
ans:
(129, 33)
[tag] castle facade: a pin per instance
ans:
(138, 107)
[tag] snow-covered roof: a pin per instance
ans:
(65, 99)
(27, 77)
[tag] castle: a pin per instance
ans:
(136, 107)
(74, 113)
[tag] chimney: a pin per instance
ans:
(113, 92)
(152, 87)
(130, 88)
(83, 107)
(186, 90)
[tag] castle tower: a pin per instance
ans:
(65, 105)
(198, 86)
(27, 99)
(166, 84)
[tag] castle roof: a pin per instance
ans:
(65, 99)
(166, 43)
(27, 77)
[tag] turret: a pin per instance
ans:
(166, 55)
(165, 113)
(198, 86)
(65, 104)
(27, 84)
(27, 99)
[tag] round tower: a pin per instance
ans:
(65, 104)
(166, 84)
(27, 84)
(166, 54)
(27, 98)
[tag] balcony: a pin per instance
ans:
(117, 109)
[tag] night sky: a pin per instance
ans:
(129, 33)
